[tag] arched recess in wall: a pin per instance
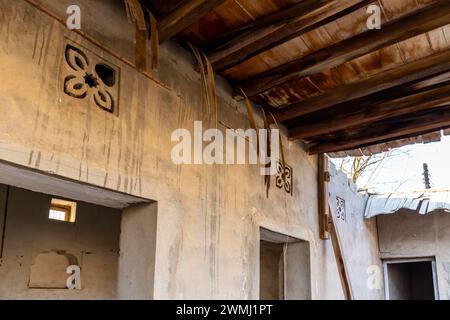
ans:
(49, 270)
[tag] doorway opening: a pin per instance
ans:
(61, 238)
(284, 267)
(411, 279)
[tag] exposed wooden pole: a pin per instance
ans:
(185, 15)
(324, 213)
(4, 210)
(268, 32)
(328, 229)
(374, 111)
(416, 23)
(424, 68)
(340, 261)
(389, 129)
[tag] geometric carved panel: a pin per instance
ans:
(340, 209)
(285, 183)
(90, 79)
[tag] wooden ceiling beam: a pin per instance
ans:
(427, 67)
(161, 8)
(384, 131)
(245, 42)
(385, 145)
(414, 24)
(186, 14)
(349, 115)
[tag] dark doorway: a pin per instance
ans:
(271, 271)
(284, 267)
(410, 280)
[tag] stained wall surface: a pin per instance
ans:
(209, 216)
(136, 276)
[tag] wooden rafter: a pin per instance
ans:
(388, 129)
(348, 116)
(412, 72)
(161, 8)
(389, 143)
(382, 107)
(185, 15)
(416, 23)
(273, 30)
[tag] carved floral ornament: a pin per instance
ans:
(88, 81)
(285, 183)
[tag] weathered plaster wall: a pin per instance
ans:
(358, 237)
(208, 216)
(93, 241)
(408, 235)
(297, 271)
(136, 277)
(271, 271)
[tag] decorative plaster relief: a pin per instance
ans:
(340, 209)
(281, 183)
(90, 79)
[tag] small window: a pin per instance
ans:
(62, 210)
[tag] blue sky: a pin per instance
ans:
(404, 170)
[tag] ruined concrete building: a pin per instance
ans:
(102, 102)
